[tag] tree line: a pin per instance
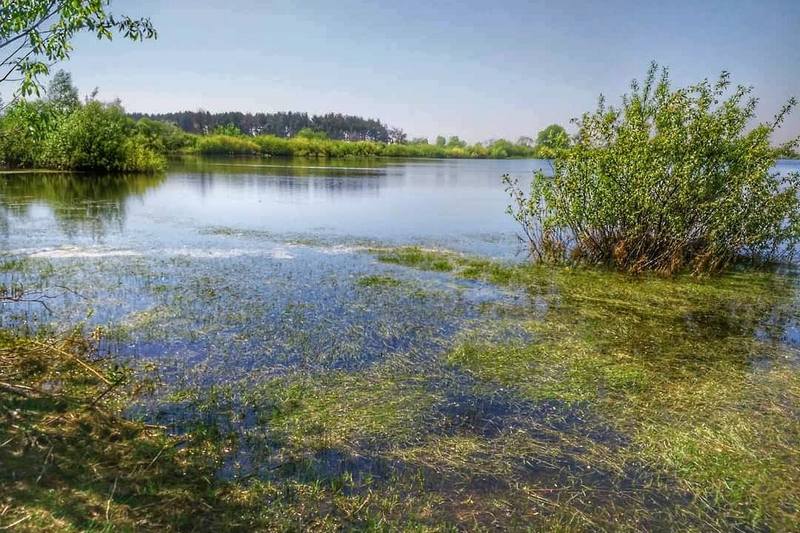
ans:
(281, 124)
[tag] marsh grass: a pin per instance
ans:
(694, 372)
(595, 402)
(378, 280)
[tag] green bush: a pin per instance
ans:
(98, 136)
(673, 179)
(226, 145)
(162, 137)
(311, 145)
(23, 130)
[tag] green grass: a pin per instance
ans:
(624, 404)
(667, 362)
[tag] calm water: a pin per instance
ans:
(234, 274)
(457, 204)
(226, 268)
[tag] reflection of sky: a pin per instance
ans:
(452, 203)
(456, 203)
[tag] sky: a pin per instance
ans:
(479, 70)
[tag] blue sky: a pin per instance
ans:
(475, 69)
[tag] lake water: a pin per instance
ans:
(217, 266)
(257, 290)
(458, 204)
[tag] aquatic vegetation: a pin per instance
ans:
(417, 258)
(674, 179)
(693, 372)
(421, 388)
(376, 280)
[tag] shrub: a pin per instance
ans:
(23, 129)
(226, 145)
(162, 137)
(673, 179)
(98, 136)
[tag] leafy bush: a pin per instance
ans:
(98, 136)
(673, 179)
(226, 145)
(23, 129)
(162, 137)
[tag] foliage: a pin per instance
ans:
(36, 33)
(62, 93)
(314, 145)
(552, 140)
(225, 145)
(23, 129)
(98, 136)
(226, 129)
(310, 133)
(282, 124)
(673, 179)
(162, 137)
(61, 133)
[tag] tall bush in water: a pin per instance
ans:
(673, 179)
(98, 136)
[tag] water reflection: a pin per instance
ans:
(80, 203)
(457, 204)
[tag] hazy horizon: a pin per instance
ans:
(466, 69)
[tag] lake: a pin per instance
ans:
(351, 325)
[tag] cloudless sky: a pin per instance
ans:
(476, 69)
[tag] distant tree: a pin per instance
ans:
(525, 141)
(34, 34)
(62, 93)
(282, 124)
(553, 137)
(441, 141)
(310, 133)
(226, 129)
(397, 136)
(455, 142)
(419, 140)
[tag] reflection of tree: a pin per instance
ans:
(80, 203)
(332, 177)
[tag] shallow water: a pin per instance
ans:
(224, 266)
(242, 277)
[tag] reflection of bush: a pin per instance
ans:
(76, 200)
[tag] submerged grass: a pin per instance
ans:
(618, 404)
(696, 372)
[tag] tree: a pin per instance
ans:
(62, 93)
(227, 129)
(310, 133)
(553, 138)
(673, 179)
(455, 142)
(397, 136)
(98, 136)
(35, 34)
(441, 141)
(525, 141)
